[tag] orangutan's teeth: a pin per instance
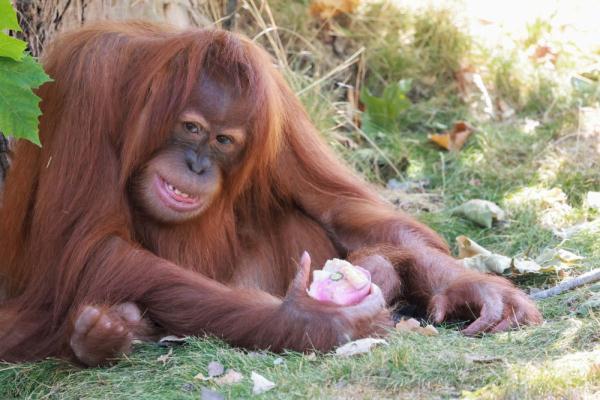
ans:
(176, 191)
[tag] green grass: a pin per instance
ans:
(560, 359)
(444, 366)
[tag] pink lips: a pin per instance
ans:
(174, 198)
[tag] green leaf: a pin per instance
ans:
(8, 16)
(19, 106)
(11, 47)
(382, 112)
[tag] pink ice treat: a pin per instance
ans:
(340, 282)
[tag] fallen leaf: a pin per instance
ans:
(493, 263)
(480, 259)
(526, 266)
(165, 358)
(171, 340)
(428, 330)
(482, 212)
(552, 260)
(209, 394)
(407, 325)
(326, 9)
(261, 384)
(468, 248)
(453, 140)
(359, 346)
(230, 377)
(215, 368)
(412, 325)
(568, 257)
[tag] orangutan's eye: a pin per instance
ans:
(224, 139)
(191, 127)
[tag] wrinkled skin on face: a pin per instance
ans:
(187, 174)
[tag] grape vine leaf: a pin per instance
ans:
(19, 110)
(8, 16)
(11, 47)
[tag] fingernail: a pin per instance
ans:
(305, 258)
(439, 317)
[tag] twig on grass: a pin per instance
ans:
(569, 284)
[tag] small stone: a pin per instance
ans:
(231, 377)
(209, 394)
(215, 368)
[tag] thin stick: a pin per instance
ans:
(569, 284)
(347, 63)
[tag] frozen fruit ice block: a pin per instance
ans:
(340, 282)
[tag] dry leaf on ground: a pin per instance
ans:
(469, 248)
(171, 340)
(482, 212)
(261, 384)
(326, 9)
(428, 330)
(552, 260)
(358, 347)
(478, 258)
(412, 325)
(407, 325)
(165, 358)
(453, 140)
(230, 377)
